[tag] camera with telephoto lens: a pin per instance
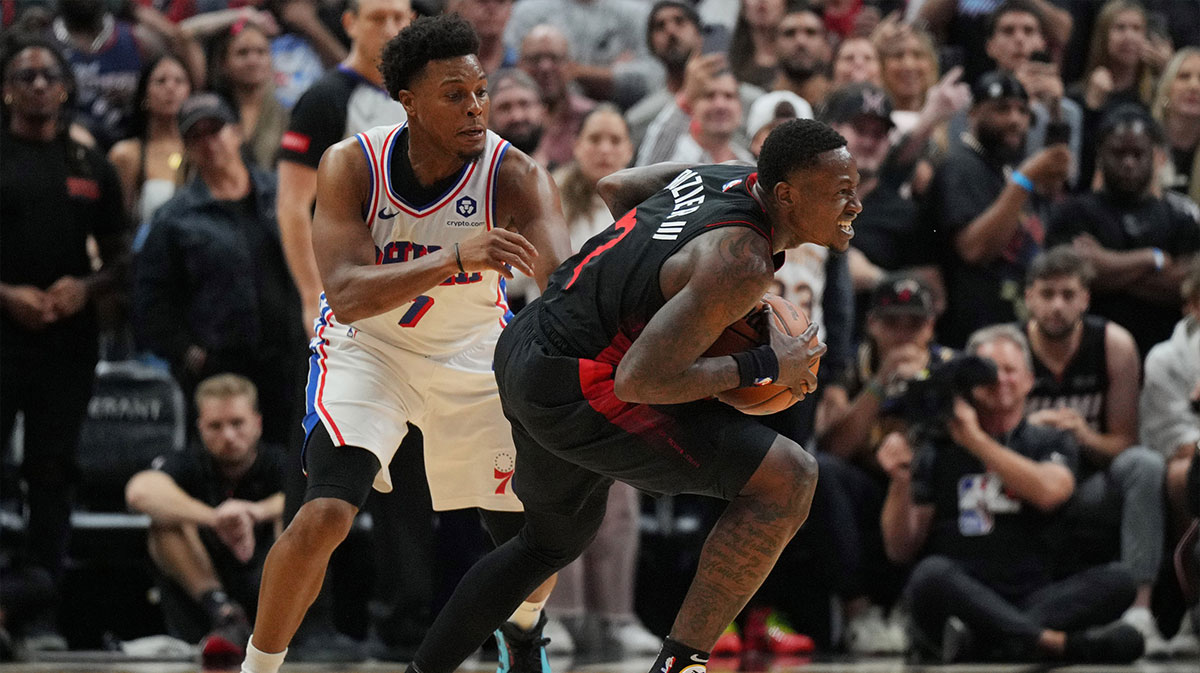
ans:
(927, 404)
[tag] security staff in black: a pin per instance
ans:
(604, 378)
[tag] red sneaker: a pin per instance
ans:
(766, 631)
(219, 653)
(729, 644)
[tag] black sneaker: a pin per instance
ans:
(326, 647)
(957, 641)
(1115, 643)
(522, 651)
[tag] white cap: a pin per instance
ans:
(766, 108)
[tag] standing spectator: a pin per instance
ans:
(1140, 244)
(752, 51)
(242, 74)
(1170, 414)
(607, 41)
(488, 18)
(214, 510)
(347, 99)
(1122, 64)
(150, 162)
(545, 56)
(107, 55)
(856, 60)
(518, 114)
(1177, 108)
(676, 37)
(985, 213)
(212, 293)
(977, 498)
(1086, 372)
(803, 50)
(54, 195)
(963, 27)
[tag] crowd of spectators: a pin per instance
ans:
(1029, 179)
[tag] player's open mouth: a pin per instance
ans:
(847, 227)
(473, 132)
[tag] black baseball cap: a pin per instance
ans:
(857, 100)
(203, 106)
(996, 85)
(902, 295)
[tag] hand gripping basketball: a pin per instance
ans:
(784, 326)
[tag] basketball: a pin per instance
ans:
(753, 331)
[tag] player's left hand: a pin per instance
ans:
(68, 295)
(496, 250)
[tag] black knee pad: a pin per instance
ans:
(342, 472)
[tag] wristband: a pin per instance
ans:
(1160, 260)
(1021, 180)
(458, 259)
(758, 366)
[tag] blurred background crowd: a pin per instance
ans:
(1027, 164)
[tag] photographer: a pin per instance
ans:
(976, 501)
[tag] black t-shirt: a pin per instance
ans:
(53, 195)
(338, 105)
(1183, 159)
(1171, 224)
(978, 295)
(601, 299)
(194, 470)
(998, 538)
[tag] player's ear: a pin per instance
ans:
(784, 194)
(408, 100)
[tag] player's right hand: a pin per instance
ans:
(31, 307)
(495, 250)
(796, 356)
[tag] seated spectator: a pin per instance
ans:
(488, 18)
(212, 293)
(107, 54)
(856, 60)
(1123, 61)
(899, 347)
(986, 215)
(241, 72)
(675, 37)
(714, 114)
(607, 41)
(1170, 415)
(908, 66)
(518, 114)
(803, 52)
(1140, 244)
(55, 195)
(150, 162)
(544, 55)
(977, 496)
(1177, 108)
(1086, 372)
(214, 509)
(752, 53)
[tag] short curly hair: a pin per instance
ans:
(794, 144)
(429, 38)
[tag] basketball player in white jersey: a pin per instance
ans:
(417, 228)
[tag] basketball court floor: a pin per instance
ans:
(97, 664)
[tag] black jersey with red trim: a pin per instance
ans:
(611, 286)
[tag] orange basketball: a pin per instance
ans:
(750, 332)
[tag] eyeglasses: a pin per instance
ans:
(29, 76)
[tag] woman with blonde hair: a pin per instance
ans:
(908, 67)
(1177, 108)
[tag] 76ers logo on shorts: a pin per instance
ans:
(465, 206)
(503, 470)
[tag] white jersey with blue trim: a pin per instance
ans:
(459, 320)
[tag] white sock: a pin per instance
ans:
(525, 617)
(258, 661)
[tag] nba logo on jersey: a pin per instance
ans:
(465, 206)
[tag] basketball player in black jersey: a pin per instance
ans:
(431, 67)
(1086, 374)
(603, 378)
